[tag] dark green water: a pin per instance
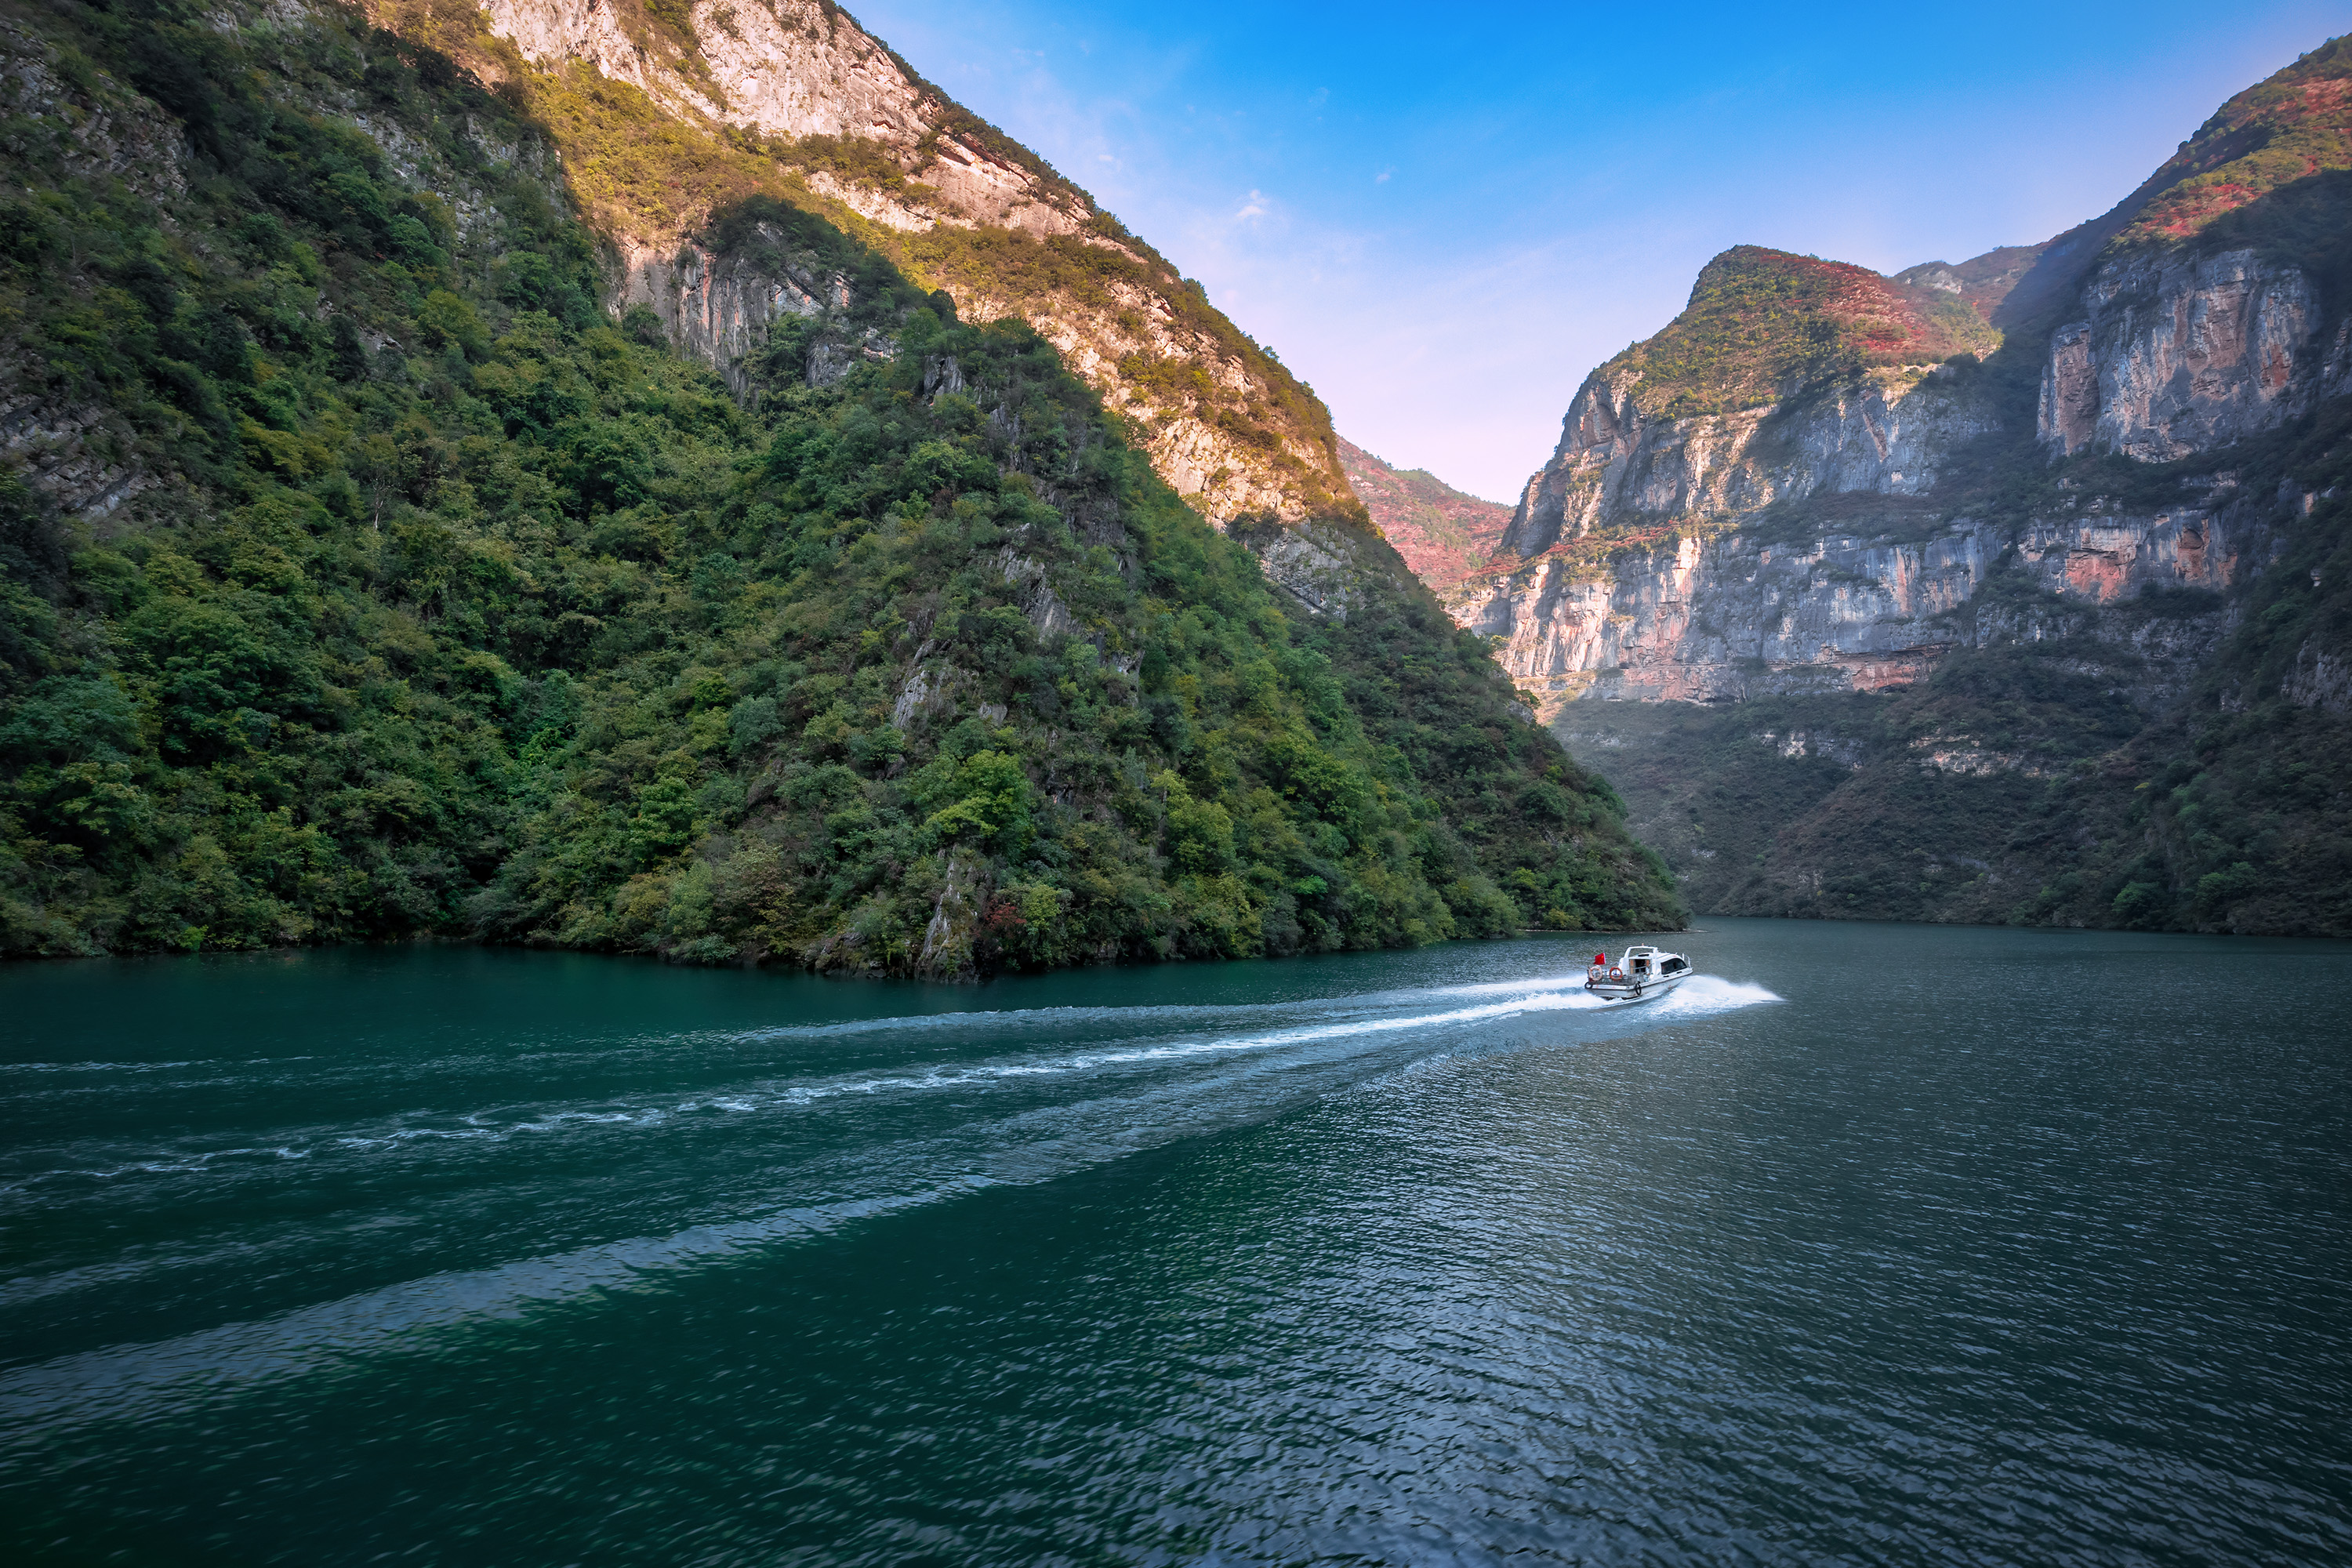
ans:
(1975, 1246)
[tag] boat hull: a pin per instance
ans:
(1627, 991)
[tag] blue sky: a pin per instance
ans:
(1442, 218)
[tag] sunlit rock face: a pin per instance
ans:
(1221, 421)
(793, 68)
(1887, 433)
(1734, 617)
(1818, 478)
(1807, 544)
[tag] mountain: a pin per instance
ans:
(1983, 282)
(1443, 533)
(382, 556)
(665, 114)
(2012, 589)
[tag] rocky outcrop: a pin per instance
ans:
(2180, 352)
(1886, 432)
(794, 68)
(94, 131)
(2322, 679)
(1320, 565)
(1737, 616)
(719, 307)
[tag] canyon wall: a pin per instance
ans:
(1886, 434)
(1805, 546)
(667, 124)
(1816, 479)
(2018, 589)
(1737, 616)
(2182, 351)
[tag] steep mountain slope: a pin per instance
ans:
(1443, 533)
(2088, 560)
(360, 576)
(665, 114)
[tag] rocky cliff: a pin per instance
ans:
(1740, 616)
(2184, 350)
(1838, 412)
(1784, 376)
(2103, 474)
(670, 117)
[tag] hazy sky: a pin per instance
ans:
(1442, 218)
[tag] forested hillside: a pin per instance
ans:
(364, 579)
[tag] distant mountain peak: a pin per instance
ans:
(1761, 323)
(1984, 281)
(2296, 122)
(1443, 534)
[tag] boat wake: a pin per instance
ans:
(919, 1132)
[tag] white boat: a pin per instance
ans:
(1642, 972)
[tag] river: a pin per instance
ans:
(1873, 1243)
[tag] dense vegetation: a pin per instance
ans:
(2293, 125)
(1762, 323)
(443, 603)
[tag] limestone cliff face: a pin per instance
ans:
(792, 98)
(1762, 498)
(1886, 432)
(2182, 350)
(718, 306)
(793, 68)
(1735, 616)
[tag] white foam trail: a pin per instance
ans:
(967, 1076)
(1698, 996)
(130, 1381)
(1703, 993)
(1065, 1017)
(96, 1067)
(140, 1381)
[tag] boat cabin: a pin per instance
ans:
(1646, 963)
